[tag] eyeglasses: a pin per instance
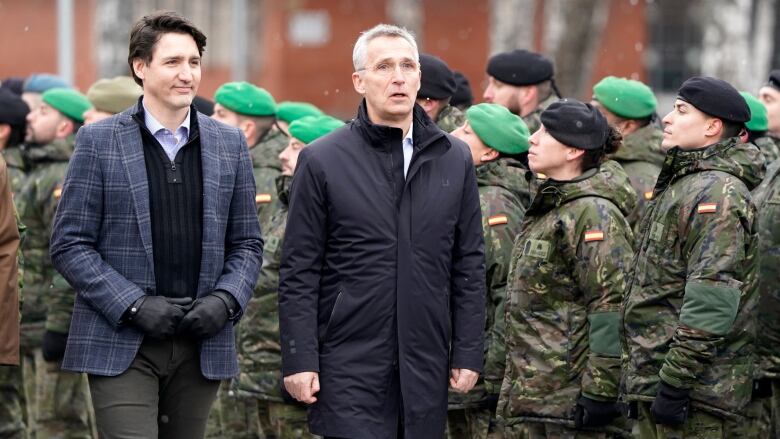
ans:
(387, 69)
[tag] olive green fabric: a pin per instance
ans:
(114, 95)
(604, 337)
(711, 308)
(498, 128)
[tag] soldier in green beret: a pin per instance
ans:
(630, 106)
(253, 110)
(498, 141)
(757, 128)
(111, 96)
(58, 402)
(259, 354)
(288, 112)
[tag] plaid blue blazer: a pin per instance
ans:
(102, 240)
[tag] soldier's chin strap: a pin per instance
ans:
(555, 88)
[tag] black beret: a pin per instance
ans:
(774, 79)
(520, 67)
(14, 84)
(576, 124)
(437, 80)
(13, 110)
(715, 97)
(203, 105)
(462, 95)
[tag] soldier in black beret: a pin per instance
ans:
(462, 98)
(437, 85)
(522, 81)
(769, 95)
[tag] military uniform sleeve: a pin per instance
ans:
(299, 272)
(60, 298)
(500, 225)
(604, 253)
(719, 228)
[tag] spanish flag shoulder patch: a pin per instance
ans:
(707, 208)
(649, 195)
(594, 235)
(496, 220)
(262, 198)
(57, 193)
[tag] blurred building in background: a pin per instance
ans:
(301, 49)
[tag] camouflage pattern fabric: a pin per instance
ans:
(12, 424)
(266, 167)
(641, 157)
(566, 282)
(538, 430)
(16, 167)
(700, 425)
(504, 195)
(689, 312)
(532, 119)
(57, 402)
(769, 147)
(450, 118)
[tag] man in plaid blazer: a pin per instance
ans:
(157, 232)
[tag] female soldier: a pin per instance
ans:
(566, 282)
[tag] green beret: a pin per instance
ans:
(310, 128)
(245, 98)
(759, 121)
(68, 102)
(625, 97)
(292, 111)
(114, 95)
(498, 128)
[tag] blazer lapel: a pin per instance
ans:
(131, 148)
(210, 153)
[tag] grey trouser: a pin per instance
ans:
(162, 394)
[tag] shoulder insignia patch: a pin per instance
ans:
(707, 208)
(649, 195)
(57, 193)
(262, 198)
(496, 220)
(594, 235)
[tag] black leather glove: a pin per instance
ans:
(762, 388)
(208, 315)
(158, 316)
(54, 345)
(592, 413)
(670, 406)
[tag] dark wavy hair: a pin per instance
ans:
(148, 30)
(594, 157)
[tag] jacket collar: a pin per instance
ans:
(424, 132)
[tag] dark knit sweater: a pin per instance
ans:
(176, 210)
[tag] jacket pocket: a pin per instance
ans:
(331, 318)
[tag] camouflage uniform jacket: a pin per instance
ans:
(532, 119)
(641, 157)
(769, 147)
(259, 352)
(767, 200)
(566, 281)
(266, 167)
(48, 297)
(504, 195)
(450, 118)
(16, 167)
(688, 315)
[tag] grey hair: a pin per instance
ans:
(380, 30)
